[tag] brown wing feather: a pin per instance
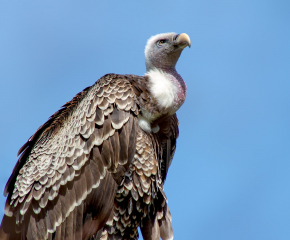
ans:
(168, 132)
(64, 182)
(158, 224)
(167, 135)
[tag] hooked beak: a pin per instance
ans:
(182, 40)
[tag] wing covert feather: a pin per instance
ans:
(72, 162)
(167, 134)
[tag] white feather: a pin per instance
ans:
(162, 88)
(144, 124)
(156, 129)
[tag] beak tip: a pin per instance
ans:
(183, 37)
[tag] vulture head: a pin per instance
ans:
(163, 50)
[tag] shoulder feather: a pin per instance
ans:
(73, 159)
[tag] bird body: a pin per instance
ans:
(96, 168)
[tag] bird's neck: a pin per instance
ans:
(178, 82)
(168, 92)
(166, 82)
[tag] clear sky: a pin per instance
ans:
(230, 177)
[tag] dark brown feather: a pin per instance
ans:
(90, 172)
(97, 136)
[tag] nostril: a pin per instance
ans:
(175, 37)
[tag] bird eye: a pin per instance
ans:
(160, 42)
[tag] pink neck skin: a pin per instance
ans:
(180, 84)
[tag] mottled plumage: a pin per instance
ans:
(96, 168)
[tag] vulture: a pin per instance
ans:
(96, 168)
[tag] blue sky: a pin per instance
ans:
(230, 175)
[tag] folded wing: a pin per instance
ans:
(65, 180)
